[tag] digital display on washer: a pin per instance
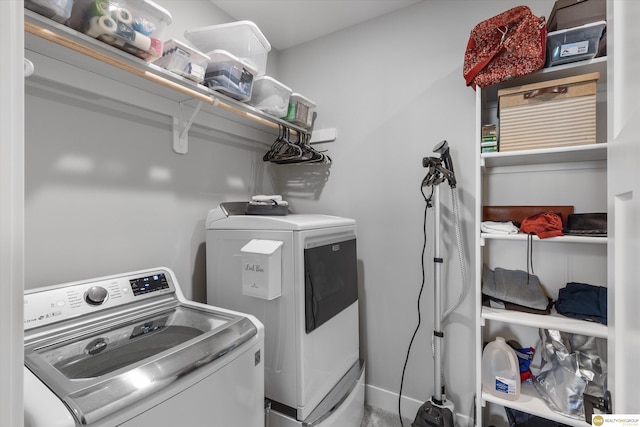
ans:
(148, 284)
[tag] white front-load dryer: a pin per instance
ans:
(312, 357)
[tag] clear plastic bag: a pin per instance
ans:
(566, 366)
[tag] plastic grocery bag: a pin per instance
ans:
(566, 366)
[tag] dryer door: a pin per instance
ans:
(330, 277)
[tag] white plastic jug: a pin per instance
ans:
(500, 370)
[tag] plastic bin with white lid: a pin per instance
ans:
(300, 111)
(270, 96)
(134, 26)
(574, 44)
(226, 73)
(58, 10)
(183, 60)
(242, 39)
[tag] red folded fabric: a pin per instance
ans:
(543, 225)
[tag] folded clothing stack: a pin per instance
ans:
(499, 227)
(267, 205)
(583, 301)
(514, 290)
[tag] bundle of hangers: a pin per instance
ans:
(286, 150)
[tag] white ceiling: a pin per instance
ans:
(286, 23)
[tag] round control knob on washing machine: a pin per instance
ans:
(96, 295)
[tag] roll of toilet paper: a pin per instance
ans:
(123, 15)
(141, 41)
(101, 25)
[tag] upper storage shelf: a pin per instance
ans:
(165, 92)
(551, 73)
(487, 100)
(579, 153)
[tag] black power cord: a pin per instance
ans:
(415, 332)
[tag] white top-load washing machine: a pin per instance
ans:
(129, 350)
(297, 274)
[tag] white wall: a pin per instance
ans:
(105, 193)
(393, 88)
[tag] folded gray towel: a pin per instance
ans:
(514, 286)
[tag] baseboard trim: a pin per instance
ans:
(388, 401)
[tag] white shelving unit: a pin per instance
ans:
(559, 258)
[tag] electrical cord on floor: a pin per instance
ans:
(415, 332)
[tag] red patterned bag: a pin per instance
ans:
(508, 45)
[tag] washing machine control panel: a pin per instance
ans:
(56, 303)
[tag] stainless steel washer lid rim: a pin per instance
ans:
(93, 399)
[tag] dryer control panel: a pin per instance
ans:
(61, 302)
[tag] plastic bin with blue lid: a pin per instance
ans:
(134, 26)
(227, 74)
(574, 44)
(242, 39)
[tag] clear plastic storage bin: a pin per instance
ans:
(242, 39)
(226, 73)
(270, 96)
(134, 26)
(58, 10)
(183, 60)
(574, 44)
(300, 111)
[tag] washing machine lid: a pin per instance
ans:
(99, 373)
(230, 216)
(100, 362)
